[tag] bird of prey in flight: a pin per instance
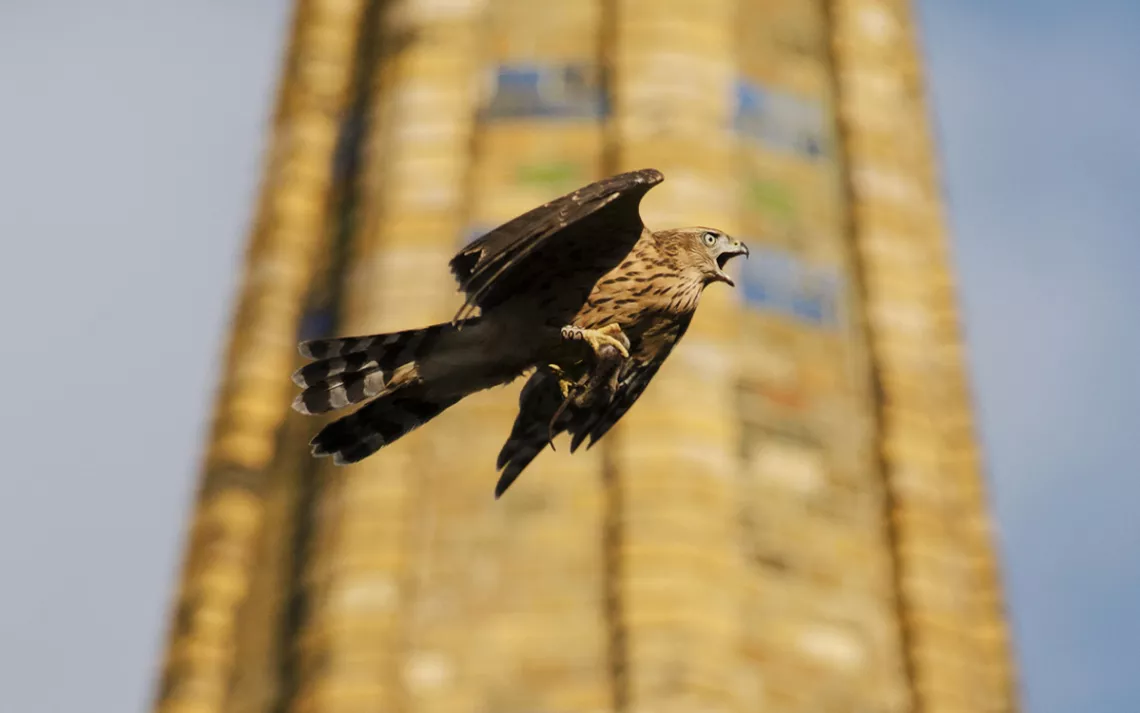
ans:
(578, 292)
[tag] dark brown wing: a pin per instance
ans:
(636, 375)
(588, 231)
(531, 434)
(540, 400)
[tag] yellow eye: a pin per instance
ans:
(710, 239)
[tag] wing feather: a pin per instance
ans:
(598, 223)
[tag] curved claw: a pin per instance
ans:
(597, 338)
(616, 344)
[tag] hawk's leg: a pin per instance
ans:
(610, 334)
(594, 387)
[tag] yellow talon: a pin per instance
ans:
(565, 380)
(596, 338)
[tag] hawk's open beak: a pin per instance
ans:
(734, 249)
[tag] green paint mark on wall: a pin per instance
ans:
(558, 174)
(771, 198)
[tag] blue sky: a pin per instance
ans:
(131, 142)
(1036, 104)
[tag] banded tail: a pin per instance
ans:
(382, 368)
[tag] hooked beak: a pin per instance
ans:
(734, 249)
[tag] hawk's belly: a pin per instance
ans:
(637, 305)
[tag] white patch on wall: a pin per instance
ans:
(875, 182)
(426, 670)
(904, 317)
(796, 466)
(899, 251)
(374, 593)
(415, 12)
(831, 645)
(434, 181)
(877, 23)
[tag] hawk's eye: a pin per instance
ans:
(710, 239)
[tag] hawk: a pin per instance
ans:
(577, 292)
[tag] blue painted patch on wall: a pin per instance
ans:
(781, 120)
(781, 282)
(547, 91)
(318, 321)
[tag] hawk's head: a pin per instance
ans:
(706, 251)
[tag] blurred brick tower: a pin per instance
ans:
(791, 519)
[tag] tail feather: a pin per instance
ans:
(340, 391)
(318, 371)
(377, 424)
(350, 354)
(351, 370)
(381, 369)
(342, 346)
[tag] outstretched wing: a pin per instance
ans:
(575, 239)
(654, 347)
